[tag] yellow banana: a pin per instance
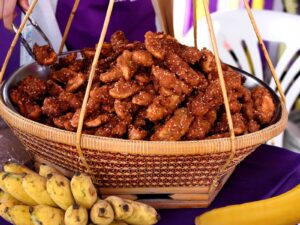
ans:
(102, 213)
(20, 215)
(45, 170)
(83, 189)
(11, 167)
(46, 215)
(76, 215)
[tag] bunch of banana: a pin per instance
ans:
(48, 197)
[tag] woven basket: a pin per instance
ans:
(117, 163)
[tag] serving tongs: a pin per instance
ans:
(23, 40)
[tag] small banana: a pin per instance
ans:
(58, 187)
(45, 170)
(46, 215)
(102, 213)
(118, 223)
(8, 199)
(11, 167)
(35, 186)
(4, 211)
(83, 189)
(133, 212)
(76, 215)
(13, 185)
(2, 185)
(20, 215)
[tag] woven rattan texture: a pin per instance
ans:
(117, 170)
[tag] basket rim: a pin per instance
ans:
(116, 145)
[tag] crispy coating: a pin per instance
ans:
(175, 127)
(76, 82)
(157, 90)
(44, 55)
(142, 58)
(264, 107)
(169, 80)
(124, 89)
(201, 126)
(34, 87)
(127, 65)
(184, 71)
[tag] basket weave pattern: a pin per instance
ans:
(119, 170)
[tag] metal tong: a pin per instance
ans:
(23, 40)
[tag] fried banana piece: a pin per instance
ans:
(76, 215)
(84, 191)
(12, 167)
(118, 41)
(102, 213)
(46, 215)
(201, 126)
(76, 82)
(207, 62)
(34, 87)
(239, 124)
(53, 88)
(13, 185)
(112, 75)
(142, 58)
(20, 215)
(35, 186)
(252, 126)
(264, 107)
(53, 107)
(62, 75)
(143, 98)
(44, 55)
(169, 80)
(58, 187)
(184, 71)
(175, 127)
(97, 120)
(127, 65)
(124, 89)
(136, 133)
(61, 121)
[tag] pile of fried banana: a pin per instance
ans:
(49, 198)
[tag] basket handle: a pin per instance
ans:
(224, 94)
(265, 52)
(67, 29)
(89, 85)
(16, 37)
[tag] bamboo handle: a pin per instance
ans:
(14, 42)
(224, 93)
(265, 52)
(89, 85)
(195, 21)
(69, 23)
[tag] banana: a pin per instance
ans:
(132, 212)
(102, 213)
(35, 186)
(4, 211)
(2, 185)
(121, 208)
(118, 223)
(11, 167)
(8, 199)
(20, 215)
(46, 215)
(76, 215)
(13, 185)
(83, 190)
(45, 170)
(58, 187)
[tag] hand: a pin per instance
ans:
(8, 11)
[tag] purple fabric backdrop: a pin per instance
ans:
(132, 17)
(5, 41)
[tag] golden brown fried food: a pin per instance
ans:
(123, 89)
(184, 71)
(113, 74)
(44, 55)
(53, 88)
(67, 59)
(143, 98)
(88, 53)
(61, 121)
(142, 79)
(127, 65)
(264, 107)
(136, 133)
(208, 64)
(239, 125)
(201, 126)
(124, 109)
(34, 87)
(118, 41)
(142, 58)
(63, 75)
(169, 80)
(252, 126)
(76, 82)
(98, 120)
(53, 107)
(175, 127)
(73, 101)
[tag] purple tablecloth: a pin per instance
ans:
(267, 172)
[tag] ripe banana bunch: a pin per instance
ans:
(49, 198)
